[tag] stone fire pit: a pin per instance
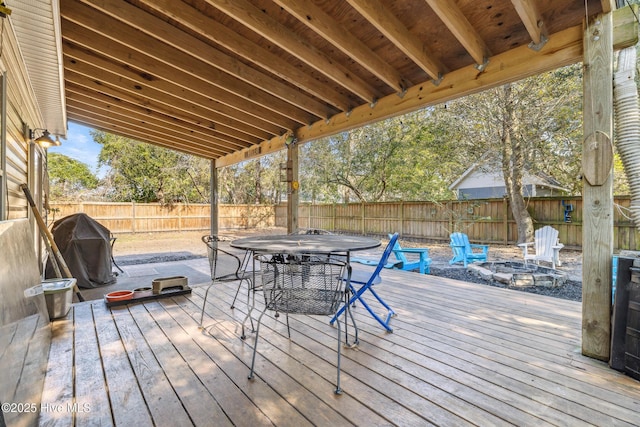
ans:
(516, 274)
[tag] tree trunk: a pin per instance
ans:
(512, 168)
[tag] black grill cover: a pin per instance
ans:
(86, 248)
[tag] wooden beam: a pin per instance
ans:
(144, 132)
(625, 27)
(375, 12)
(218, 33)
(461, 28)
(92, 75)
(227, 120)
(531, 19)
(563, 49)
(245, 96)
(608, 5)
(597, 197)
(253, 18)
(94, 102)
(182, 41)
(316, 19)
(221, 109)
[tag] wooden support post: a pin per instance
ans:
(597, 187)
(293, 200)
(213, 184)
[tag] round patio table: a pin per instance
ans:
(294, 244)
(306, 243)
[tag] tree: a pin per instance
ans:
(402, 158)
(534, 125)
(255, 181)
(146, 173)
(69, 179)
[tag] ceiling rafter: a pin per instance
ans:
(79, 110)
(461, 28)
(532, 20)
(160, 79)
(162, 124)
(94, 85)
(218, 33)
(226, 79)
(105, 78)
(253, 18)
(178, 39)
(251, 98)
(316, 19)
(375, 12)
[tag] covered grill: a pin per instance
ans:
(86, 247)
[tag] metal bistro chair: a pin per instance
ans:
(231, 261)
(304, 284)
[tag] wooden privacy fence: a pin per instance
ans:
(485, 221)
(134, 217)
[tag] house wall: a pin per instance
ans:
(490, 185)
(25, 332)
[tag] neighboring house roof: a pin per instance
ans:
(491, 167)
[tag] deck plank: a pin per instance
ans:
(152, 375)
(58, 383)
(460, 354)
(90, 386)
(279, 412)
(127, 401)
(319, 375)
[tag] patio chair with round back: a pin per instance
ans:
(305, 284)
(233, 268)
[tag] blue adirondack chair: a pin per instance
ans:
(463, 251)
(422, 264)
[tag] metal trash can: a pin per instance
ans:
(58, 294)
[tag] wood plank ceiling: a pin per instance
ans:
(226, 79)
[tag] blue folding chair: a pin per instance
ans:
(366, 280)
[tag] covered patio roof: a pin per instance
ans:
(227, 80)
(233, 80)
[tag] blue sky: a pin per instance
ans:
(80, 146)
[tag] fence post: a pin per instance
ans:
(133, 217)
(505, 212)
(180, 206)
(363, 218)
(333, 217)
(401, 231)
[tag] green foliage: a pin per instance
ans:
(255, 181)
(402, 158)
(146, 173)
(69, 179)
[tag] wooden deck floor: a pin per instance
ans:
(460, 354)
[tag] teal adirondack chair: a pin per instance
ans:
(422, 264)
(463, 251)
